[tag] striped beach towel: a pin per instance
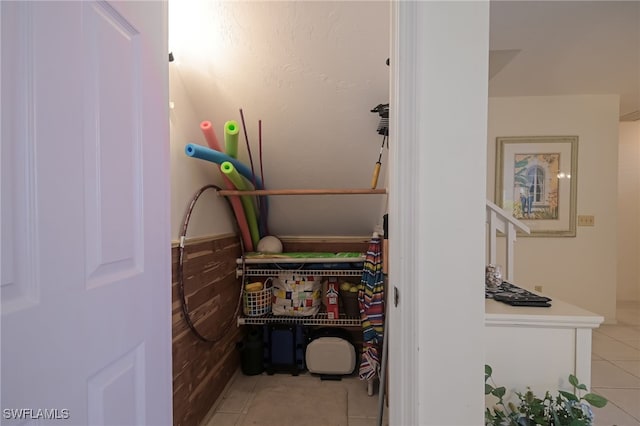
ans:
(371, 303)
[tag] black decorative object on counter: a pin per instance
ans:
(516, 296)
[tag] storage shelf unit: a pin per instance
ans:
(318, 319)
(261, 272)
(246, 266)
(257, 267)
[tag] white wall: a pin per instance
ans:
(580, 270)
(629, 212)
(210, 216)
(437, 211)
(302, 69)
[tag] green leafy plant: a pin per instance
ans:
(564, 409)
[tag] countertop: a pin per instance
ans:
(559, 314)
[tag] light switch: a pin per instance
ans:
(586, 220)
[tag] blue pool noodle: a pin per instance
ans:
(208, 154)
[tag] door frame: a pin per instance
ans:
(437, 203)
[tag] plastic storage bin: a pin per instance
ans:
(257, 303)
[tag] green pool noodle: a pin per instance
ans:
(249, 211)
(231, 131)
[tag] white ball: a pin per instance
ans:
(269, 244)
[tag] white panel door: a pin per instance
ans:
(86, 263)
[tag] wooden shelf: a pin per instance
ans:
(351, 191)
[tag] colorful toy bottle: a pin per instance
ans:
(331, 299)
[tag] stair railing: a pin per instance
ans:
(500, 221)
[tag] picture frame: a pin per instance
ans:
(537, 181)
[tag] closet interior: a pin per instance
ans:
(279, 134)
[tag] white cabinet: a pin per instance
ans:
(538, 347)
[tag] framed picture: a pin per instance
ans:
(536, 180)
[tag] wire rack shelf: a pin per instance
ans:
(318, 319)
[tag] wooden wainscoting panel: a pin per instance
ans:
(201, 370)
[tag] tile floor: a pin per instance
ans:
(615, 368)
(615, 374)
(231, 408)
